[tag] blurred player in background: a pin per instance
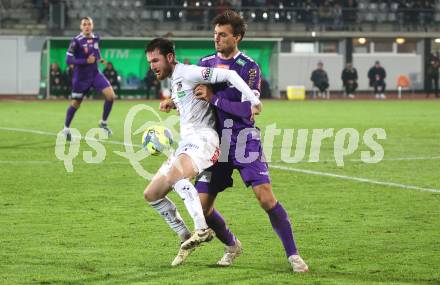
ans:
(198, 148)
(234, 115)
(84, 54)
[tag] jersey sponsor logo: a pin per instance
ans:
(190, 146)
(89, 41)
(241, 62)
(96, 46)
(181, 94)
(225, 66)
(207, 73)
(252, 76)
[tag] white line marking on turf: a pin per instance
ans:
(358, 179)
(55, 134)
(312, 172)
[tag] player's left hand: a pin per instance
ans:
(255, 111)
(203, 92)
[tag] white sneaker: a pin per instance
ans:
(198, 237)
(181, 256)
(351, 96)
(231, 252)
(298, 264)
(382, 96)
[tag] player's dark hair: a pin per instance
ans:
(86, 18)
(164, 46)
(230, 17)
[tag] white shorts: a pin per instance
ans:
(203, 148)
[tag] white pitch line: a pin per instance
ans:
(138, 145)
(55, 134)
(312, 172)
(358, 179)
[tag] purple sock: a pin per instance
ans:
(216, 222)
(281, 224)
(69, 115)
(107, 108)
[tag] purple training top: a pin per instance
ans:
(85, 75)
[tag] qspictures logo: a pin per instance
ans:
(297, 145)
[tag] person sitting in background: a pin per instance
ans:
(349, 80)
(56, 79)
(320, 80)
(68, 76)
(151, 82)
(112, 76)
(377, 75)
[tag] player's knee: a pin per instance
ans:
(150, 196)
(265, 196)
(76, 104)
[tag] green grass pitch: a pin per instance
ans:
(92, 226)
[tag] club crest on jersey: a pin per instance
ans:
(207, 73)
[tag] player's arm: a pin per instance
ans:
(250, 103)
(70, 55)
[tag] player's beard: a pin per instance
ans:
(226, 51)
(164, 73)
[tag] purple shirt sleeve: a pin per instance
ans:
(251, 75)
(70, 59)
(240, 109)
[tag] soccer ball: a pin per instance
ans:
(157, 139)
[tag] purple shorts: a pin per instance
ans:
(81, 87)
(219, 176)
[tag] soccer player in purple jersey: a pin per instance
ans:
(233, 115)
(84, 54)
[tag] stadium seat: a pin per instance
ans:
(403, 82)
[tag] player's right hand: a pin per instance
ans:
(91, 59)
(166, 105)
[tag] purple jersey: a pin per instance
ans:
(85, 75)
(249, 70)
(230, 106)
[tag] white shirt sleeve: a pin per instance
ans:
(210, 75)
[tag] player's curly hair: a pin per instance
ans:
(230, 17)
(165, 46)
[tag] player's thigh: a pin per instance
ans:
(265, 195)
(157, 189)
(182, 167)
(102, 85)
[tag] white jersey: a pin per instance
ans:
(195, 114)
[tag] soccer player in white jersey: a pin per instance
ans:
(199, 145)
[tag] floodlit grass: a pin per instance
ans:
(92, 226)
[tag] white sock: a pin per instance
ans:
(190, 197)
(168, 211)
